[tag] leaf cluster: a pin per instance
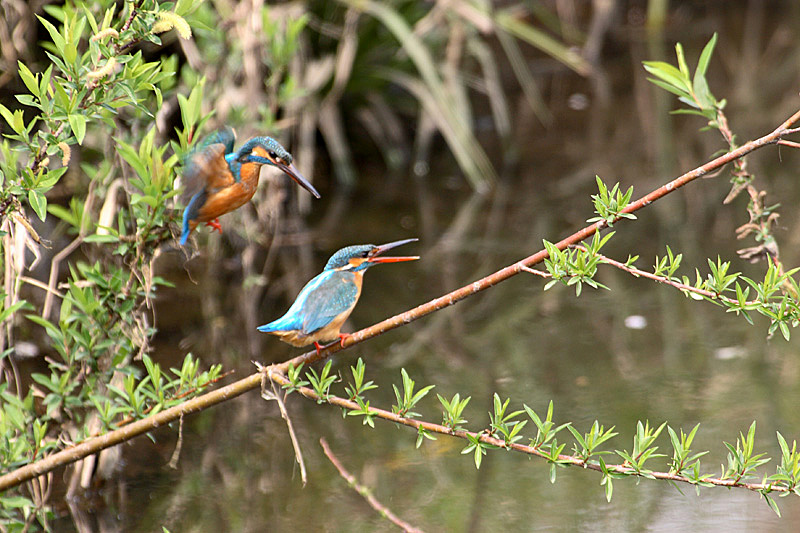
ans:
(575, 266)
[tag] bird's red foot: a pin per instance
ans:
(215, 225)
(318, 346)
(342, 337)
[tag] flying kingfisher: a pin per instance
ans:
(327, 300)
(218, 180)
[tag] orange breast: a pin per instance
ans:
(227, 199)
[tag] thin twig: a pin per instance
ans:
(36, 283)
(365, 492)
(54, 266)
(534, 271)
(298, 452)
(711, 295)
(791, 144)
(176, 454)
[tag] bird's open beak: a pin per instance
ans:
(384, 247)
(292, 172)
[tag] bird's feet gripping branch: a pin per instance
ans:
(319, 347)
(215, 225)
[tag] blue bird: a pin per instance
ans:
(327, 300)
(217, 179)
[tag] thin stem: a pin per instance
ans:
(54, 267)
(665, 280)
(273, 395)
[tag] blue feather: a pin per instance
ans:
(190, 213)
(324, 298)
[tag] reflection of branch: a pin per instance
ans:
(253, 381)
(365, 492)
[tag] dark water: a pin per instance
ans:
(692, 363)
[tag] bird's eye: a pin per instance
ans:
(272, 155)
(365, 254)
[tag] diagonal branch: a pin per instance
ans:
(512, 270)
(95, 444)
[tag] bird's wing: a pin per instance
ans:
(224, 136)
(205, 170)
(337, 294)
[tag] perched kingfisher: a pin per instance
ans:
(327, 300)
(218, 180)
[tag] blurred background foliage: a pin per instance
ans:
(473, 125)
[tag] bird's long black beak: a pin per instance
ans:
(291, 171)
(384, 247)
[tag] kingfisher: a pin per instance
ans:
(218, 179)
(327, 300)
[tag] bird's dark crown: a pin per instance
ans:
(342, 258)
(273, 148)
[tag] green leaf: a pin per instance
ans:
(7, 115)
(668, 73)
(770, 501)
(7, 312)
(28, 79)
(99, 238)
(16, 502)
(58, 39)
(684, 68)
(50, 178)
(705, 57)
(78, 125)
(38, 202)
(702, 93)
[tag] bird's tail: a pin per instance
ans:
(269, 328)
(189, 214)
(282, 324)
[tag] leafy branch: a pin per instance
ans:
(722, 287)
(588, 447)
(693, 91)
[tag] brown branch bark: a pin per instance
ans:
(94, 445)
(512, 270)
(112, 438)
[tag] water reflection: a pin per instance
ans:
(237, 469)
